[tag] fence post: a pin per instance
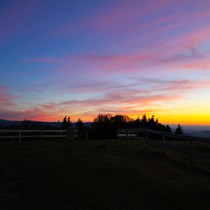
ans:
(70, 133)
(191, 152)
(164, 144)
(61, 133)
(147, 141)
(136, 136)
(42, 135)
(87, 136)
(20, 136)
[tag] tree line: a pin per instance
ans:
(104, 126)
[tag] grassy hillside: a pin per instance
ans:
(81, 175)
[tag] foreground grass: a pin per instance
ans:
(81, 175)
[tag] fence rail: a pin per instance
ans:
(41, 134)
(129, 133)
(160, 140)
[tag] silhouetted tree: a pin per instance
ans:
(102, 127)
(179, 130)
(137, 123)
(152, 124)
(66, 122)
(79, 124)
(120, 121)
(168, 129)
(25, 124)
(144, 121)
(80, 127)
(105, 126)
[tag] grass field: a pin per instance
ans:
(80, 175)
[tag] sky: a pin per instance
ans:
(82, 58)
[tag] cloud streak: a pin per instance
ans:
(123, 56)
(117, 100)
(5, 97)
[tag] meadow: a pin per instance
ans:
(61, 174)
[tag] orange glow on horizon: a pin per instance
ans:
(164, 119)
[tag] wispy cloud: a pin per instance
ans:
(29, 114)
(114, 56)
(132, 101)
(5, 98)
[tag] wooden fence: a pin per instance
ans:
(6, 134)
(160, 138)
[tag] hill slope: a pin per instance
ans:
(81, 175)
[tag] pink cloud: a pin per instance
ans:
(129, 100)
(181, 51)
(128, 17)
(92, 86)
(115, 64)
(172, 27)
(157, 55)
(5, 97)
(199, 65)
(112, 98)
(182, 86)
(114, 17)
(29, 114)
(131, 15)
(93, 64)
(118, 98)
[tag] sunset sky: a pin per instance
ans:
(84, 57)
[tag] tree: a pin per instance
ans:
(137, 123)
(66, 122)
(26, 124)
(80, 128)
(102, 127)
(79, 124)
(179, 129)
(152, 123)
(144, 121)
(105, 125)
(168, 129)
(120, 121)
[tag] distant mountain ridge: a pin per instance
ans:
(197, 131)
(13, 122)
(9, 122)
(202, 131)
(53, 124)
(202, 134)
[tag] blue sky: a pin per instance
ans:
(81, 58)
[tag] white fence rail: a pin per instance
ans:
(38, 134)
(136, 134)
(160, 140)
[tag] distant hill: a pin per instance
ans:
(202, 134)
(202, 131)
(52, 124)
(9, 122)
(12, 123)
(197, 131)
